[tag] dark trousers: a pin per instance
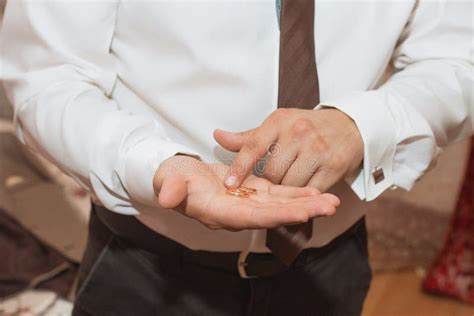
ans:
(118, 277)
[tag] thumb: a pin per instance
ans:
(173, 192)
(231, 141)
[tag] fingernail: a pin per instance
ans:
(231, 181)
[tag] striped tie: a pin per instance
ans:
(298, 88)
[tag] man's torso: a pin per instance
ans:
(200, 65)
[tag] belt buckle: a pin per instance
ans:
(242, 263)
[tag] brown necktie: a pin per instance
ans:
(298, 88)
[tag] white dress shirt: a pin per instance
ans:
(109, 89)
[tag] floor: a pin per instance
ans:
(398, 293)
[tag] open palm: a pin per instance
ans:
(196, 189)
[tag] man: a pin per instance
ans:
(126, 97)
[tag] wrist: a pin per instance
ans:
(351, 132)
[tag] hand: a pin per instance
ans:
(196, 190)
(314, 148)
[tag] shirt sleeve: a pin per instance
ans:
(59, 75)
(427, 104)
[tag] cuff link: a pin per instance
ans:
(378, 175)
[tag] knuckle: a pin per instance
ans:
(301, 127)
(278, 115)
(319, 143)
(335, 164)
(281, 112)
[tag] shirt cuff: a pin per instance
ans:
(141, 163)
(378, 131)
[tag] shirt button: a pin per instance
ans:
(393, 187)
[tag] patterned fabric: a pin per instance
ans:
(453, 271)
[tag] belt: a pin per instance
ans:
(246, 264)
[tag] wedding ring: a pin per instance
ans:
(237, 192)
(241, 192)
(247, 190)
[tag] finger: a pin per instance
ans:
(323, 206)
(323, 180)
(255, 148)
(301, 171)
(331, 198)
(173, 192)
(231, 141)
(281, 156)
(293, 211)
(291, 191)
(271, 214)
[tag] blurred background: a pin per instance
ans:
(43, 230)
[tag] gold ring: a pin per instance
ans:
(247, 190)
(236, 192)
